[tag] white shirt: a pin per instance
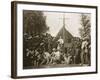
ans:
(84, 44)
(57, 54)
(61, 41)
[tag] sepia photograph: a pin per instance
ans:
(53, 39)
(56, 39)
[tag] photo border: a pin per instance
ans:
(14, 37)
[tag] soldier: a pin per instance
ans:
(29, 57)
(60, 43)
(84, 52)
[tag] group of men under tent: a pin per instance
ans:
(41, 49)
(78, 48)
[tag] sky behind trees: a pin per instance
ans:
(54, 20)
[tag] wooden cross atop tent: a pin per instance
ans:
(64, 34)
(64, 20)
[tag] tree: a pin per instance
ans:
(34, 22)
(85, 30)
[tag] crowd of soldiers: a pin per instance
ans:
(43, 49)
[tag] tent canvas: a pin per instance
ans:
(66, 36)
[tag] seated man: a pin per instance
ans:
(56, 56)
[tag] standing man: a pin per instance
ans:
(60, 43)
(84, 52)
